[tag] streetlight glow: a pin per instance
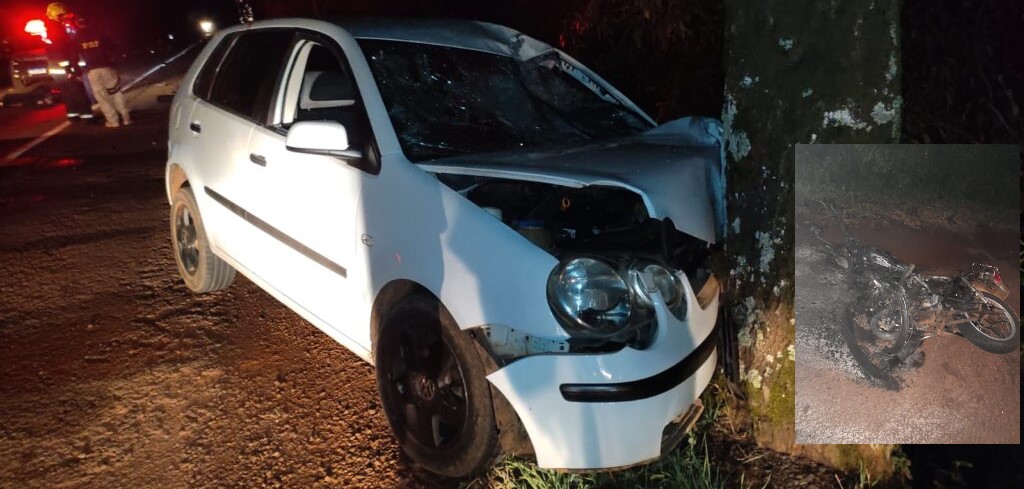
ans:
(206, 26)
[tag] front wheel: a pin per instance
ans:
(434, 391)
(201, 270)
(877, 331)
(997, 330)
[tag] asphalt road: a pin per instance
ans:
(20, 125)
(148, 76)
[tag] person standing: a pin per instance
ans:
(64, 53)
(94, 49)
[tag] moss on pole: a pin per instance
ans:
(797, 72)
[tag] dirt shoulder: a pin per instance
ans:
(114, 373)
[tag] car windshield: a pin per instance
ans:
(446, 101)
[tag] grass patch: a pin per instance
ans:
(687, 467)
(519, 473)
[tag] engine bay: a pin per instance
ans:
(611, 222)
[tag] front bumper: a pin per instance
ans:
(611, 410)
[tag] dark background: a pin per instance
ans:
(938, 178)
(131, 25)
(961, 63)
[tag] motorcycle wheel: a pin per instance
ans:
(877, 332)
(996, 332)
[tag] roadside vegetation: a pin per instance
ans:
(718, 453)
(688, 467)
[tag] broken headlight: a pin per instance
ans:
(667, 283)
(590, 297)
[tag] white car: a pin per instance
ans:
(518, 248)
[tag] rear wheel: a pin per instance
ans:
(433, 390)
(201, 270)
(998, 328)
(877, 331)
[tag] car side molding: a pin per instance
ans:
(276, 233)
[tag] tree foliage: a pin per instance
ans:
(667, 54)
(962, 77)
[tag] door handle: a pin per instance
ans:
(196, 127)
(258, 159)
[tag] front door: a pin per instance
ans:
(312, 200)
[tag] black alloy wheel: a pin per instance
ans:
(427, 381)
(188, 249)
(199, 267)
(434, 390)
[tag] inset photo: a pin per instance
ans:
(907, 294)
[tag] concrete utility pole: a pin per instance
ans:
(797, 72)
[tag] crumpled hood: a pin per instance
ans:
(677, 168)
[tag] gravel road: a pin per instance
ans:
(112, 373)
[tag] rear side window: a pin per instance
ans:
(246, 79)
(205, 79)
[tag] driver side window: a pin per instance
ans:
(320, 87)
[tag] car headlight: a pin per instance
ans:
(590, 297)
(668, 284)
(663, 279)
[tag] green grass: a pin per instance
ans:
(687, 467)
(518, 473)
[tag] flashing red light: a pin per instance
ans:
(36, 27)
(67, 162)
(998, 278)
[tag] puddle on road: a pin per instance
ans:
(941, 248)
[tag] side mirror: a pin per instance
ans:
(327, 138)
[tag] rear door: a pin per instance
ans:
(232, 103)
(314, 198)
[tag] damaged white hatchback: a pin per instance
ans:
(518, 248)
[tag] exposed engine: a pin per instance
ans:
(606, 221)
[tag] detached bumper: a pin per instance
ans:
(612, 410)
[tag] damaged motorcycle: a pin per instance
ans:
(895, 309)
